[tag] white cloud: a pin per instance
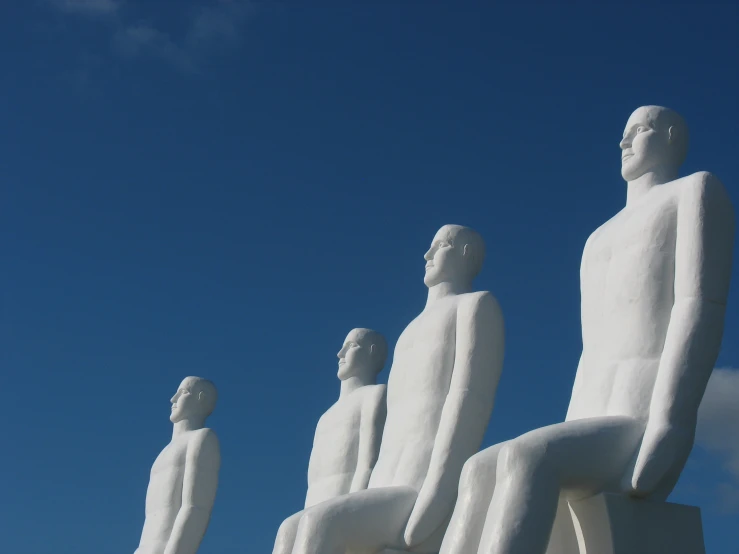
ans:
(718, 429)
(208, 28)
(220, 23)
(728, 497)
(88, 7)
(143, 39)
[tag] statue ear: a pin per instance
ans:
(201, 395)
(670, 134)
(372, 349)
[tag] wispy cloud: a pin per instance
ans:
(208, 29)
(88, 7)
(718, 430)
(220, 23)
(143, 39)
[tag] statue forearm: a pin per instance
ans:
(361, 479)
(189, 528)
(370, 436)
(455, 443)
(461, 429)
(690, 351)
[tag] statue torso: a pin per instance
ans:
(626, 279)
(164, 495)
(333, 459)
(417, 387)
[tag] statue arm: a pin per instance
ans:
(477, 367)
(372, 422)
(313, 449)
(704, 242)
(573, 408)
(200, 481)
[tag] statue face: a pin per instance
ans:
(643, 148)
(355, 356)
(443, 259)
(185, 402)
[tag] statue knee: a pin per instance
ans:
(289, 526)
(313, 521)
(474, 470)
(520, 457)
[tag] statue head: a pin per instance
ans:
(455, 256)
(655, 140)
(363, 354)
(195, 398)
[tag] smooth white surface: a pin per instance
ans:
(440, 393)
(616, 524)
(184, 477)
(347, 437)
(654, 283)
(564, 539)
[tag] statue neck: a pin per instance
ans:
(636, 189)
(185, 425)
(442, 290)
(351, 384)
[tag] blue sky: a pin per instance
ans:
(226, 189)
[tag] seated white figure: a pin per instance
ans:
(440, 393)
(184, 477)
(654, 282)
(347, 438)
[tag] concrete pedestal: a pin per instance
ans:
(617, 524)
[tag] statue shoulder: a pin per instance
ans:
(376, 390)
(205, 440)
(374, 394)
(701, 178)
(481, 311)
(699, 184)
(707, 190)
(480, 302)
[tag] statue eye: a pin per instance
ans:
(641, 129)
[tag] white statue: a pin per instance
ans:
(184, 477)
(440, 392)
(654, 283)
(347, 439)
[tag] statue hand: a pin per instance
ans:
(429, 511)
(661, 457)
